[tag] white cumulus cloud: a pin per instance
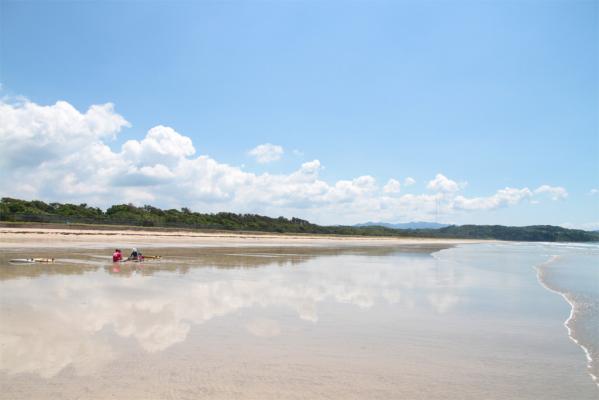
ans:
(57, 153)
(443, 184)
(267, 152)
(162, 144)
(392, 186)
(503, 197)
(31, 134)
(555, 192)
(409, 181)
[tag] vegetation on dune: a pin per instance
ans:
(128, 214)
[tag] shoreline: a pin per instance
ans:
(28, 237)
(573, 309)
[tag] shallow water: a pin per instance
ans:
(575, 276)
(471, 322)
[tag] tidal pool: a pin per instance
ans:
(411, 322)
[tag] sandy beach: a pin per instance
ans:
(291, 200)
(287, 318)
(17, 237)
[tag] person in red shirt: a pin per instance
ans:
(117, 256)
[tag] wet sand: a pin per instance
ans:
(418, 320)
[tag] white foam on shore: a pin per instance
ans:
(539, 270)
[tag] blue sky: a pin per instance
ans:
(488, 94)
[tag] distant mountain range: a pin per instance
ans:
(406, 225)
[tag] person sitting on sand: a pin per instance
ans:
(135, 255)
(117, 256)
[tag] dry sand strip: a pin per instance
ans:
(23, 237)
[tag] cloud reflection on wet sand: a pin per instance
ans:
(159, 311)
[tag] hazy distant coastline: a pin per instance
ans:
(19, 211)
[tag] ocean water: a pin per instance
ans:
(491, 321)
(573, 272)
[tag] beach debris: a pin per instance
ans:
(31, 260)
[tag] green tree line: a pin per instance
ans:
(127, 214)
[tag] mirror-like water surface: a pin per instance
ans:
(466, 322)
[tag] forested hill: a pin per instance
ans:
(126, 214)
